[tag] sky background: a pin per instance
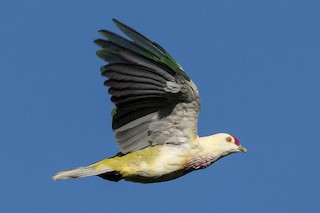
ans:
(256, 65)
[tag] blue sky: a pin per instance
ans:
(256, 65)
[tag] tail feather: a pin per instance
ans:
(82, 172)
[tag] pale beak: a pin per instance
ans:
(242, 149)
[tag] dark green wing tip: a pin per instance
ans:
(107, 34)
(102, 53)
(102, 69)
(139, 44)
(99, 42)
(114, 111)
(121, 25)
(116, 22)
(102, 32)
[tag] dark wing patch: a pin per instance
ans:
(146, 85)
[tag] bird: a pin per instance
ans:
(155, 115)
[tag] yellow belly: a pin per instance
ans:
(153, 164)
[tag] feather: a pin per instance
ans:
(135, 123)
(137, 37)
(130, 78)
(141, 46)
(110, 57)
(124, 135)
(131, 85)
(125, 100)
(132, 92)
(137, 145)
(122, 118)
(133, 58)
(134, 70)
(133, 140)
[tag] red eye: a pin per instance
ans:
(228, 139)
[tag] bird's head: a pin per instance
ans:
(222, 143)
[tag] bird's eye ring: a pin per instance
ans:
(228, 139)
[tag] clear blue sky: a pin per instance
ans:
(256, 64)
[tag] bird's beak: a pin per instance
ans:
(242, 149)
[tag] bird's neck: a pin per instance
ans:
(204, 154)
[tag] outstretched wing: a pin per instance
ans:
(155, 101)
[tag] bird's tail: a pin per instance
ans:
(84, 171)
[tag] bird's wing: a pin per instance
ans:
(155, 101)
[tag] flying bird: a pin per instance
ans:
(155, 119)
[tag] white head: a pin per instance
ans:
(221, 144)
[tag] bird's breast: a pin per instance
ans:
(199, 162)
